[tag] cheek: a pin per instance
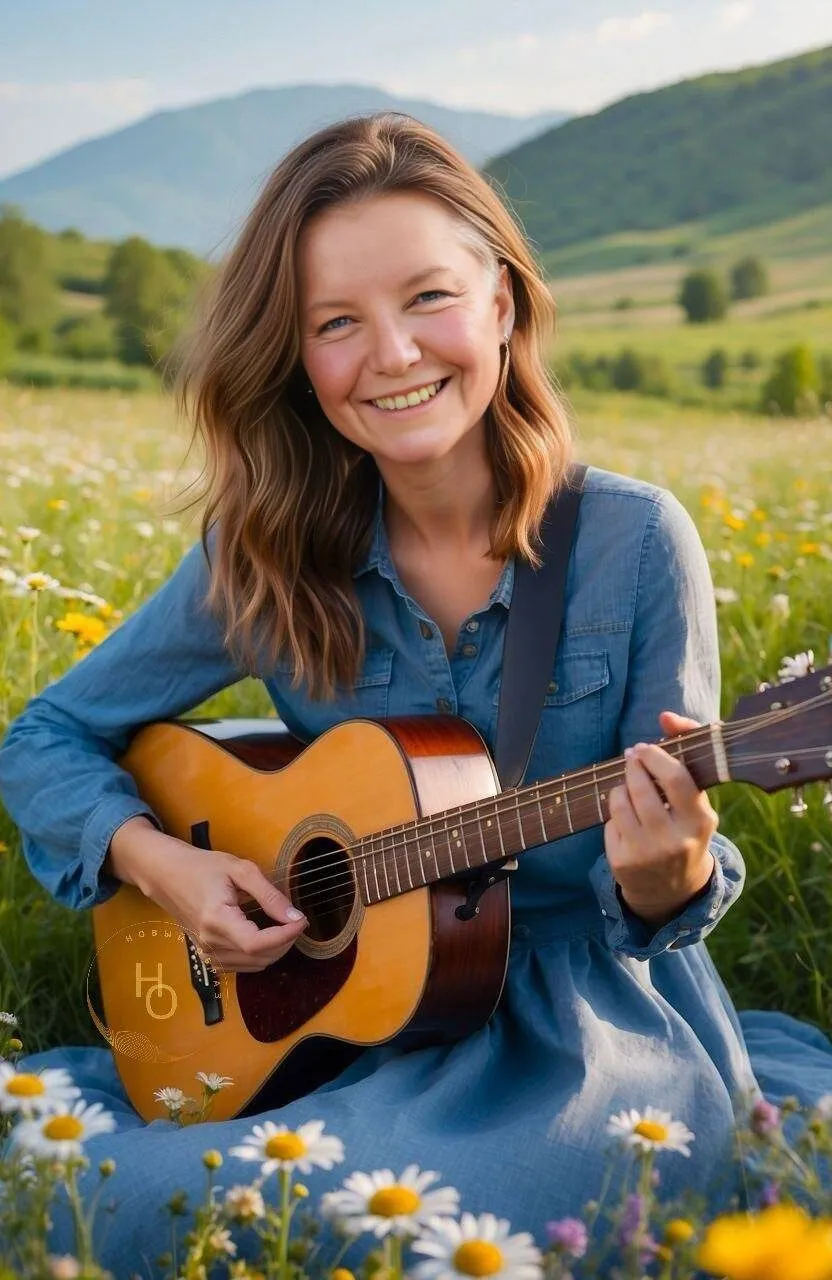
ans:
(334, 369)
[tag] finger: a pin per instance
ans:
(248, 876)
(670, 773)
(671, 723)
(624, 817)
(647, 804)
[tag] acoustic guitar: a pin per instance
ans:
(393, 838)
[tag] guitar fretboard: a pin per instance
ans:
(446, 844)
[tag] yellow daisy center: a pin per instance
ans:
(478, 1258)
(389, 1202)
(25, 1086)
(652, 1131)
(678, 1231)
(59, 1128)
(285, 1146)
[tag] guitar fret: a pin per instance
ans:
(464, 842)
(597, 793)
(363, 859)
(478, 823)
(451, 834)
(384, 868)
(520, 830)
(499, 829)
(543, 830)
(407, 860)
(396, 868)
(568, 811)
(375, 872)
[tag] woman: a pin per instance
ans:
(359, 557)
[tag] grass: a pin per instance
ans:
(97, 473)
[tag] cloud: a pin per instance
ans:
(734, 14)
(632, 30)
(124, 93)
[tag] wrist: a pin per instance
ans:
(658, 911)
(130, 851)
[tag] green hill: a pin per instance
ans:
(753, 143)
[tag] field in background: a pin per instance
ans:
(97, 472)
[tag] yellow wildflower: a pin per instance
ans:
(745, 560)
(678, 1231)
(57, 504)
(780, 1243)
(88, 631)
(733, 522)
(758, 514)
(763, 538)
(776, 571)
(809, 548)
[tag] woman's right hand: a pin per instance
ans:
(201, 890)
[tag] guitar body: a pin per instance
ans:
(404, 969)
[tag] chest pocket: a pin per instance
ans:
(368, 699)
(571, 722)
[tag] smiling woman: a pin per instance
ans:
(383, 439)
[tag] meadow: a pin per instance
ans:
(92, 486)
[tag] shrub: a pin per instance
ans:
(750, 359)
(624, 304)
(714, 368)
(633, 371)
(793, 384)
(7, 343)
(749, 278)
(703, 297)
(87, 338)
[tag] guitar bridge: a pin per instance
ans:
(205, 983)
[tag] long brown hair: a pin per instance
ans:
(290, 501)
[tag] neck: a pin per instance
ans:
(444, 504)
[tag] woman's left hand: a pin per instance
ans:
(659, 852)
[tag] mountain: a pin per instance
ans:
(187, 176)
(754, 142)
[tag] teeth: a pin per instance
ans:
(413, 397)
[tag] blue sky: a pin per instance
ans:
(71, 70)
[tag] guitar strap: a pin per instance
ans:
(532, 633)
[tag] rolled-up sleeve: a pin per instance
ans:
(59, 779)
(673, 666)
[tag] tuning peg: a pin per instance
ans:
(798, 806)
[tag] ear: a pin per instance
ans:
(504, 297)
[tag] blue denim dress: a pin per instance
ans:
(598, 1013)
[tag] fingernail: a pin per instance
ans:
(628, 753)
(294, 914)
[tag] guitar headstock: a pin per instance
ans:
(781, 736)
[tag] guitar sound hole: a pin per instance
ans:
(323, 887)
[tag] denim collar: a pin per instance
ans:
(378, 557)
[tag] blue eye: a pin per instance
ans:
(428, 293)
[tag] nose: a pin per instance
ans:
(393, 347)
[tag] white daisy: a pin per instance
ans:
(244, 1204)
(823, 1107)
(652, 1131)
(277, 1147)
(220, 1241)
(476, 1247)
(60, 1134)
(384, 1204)
(172, 1098)
(725, 595)
(8, 1019)
(31, 1093)
(793, 668)
(39, 581)
(26, 533)
(213, 1082)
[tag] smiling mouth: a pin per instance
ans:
(393, 404)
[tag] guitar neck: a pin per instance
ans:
(449, 843)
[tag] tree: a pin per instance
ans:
(145, 295)
(714, 368)
(28, 293)
(794, 383)
(749, 278)
(703, 297)
(6, 343)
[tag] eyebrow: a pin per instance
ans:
(406, 284)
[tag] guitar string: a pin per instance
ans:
(581, 780)
(344, 877)
(579, 790)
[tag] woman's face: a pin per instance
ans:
(391, 302)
